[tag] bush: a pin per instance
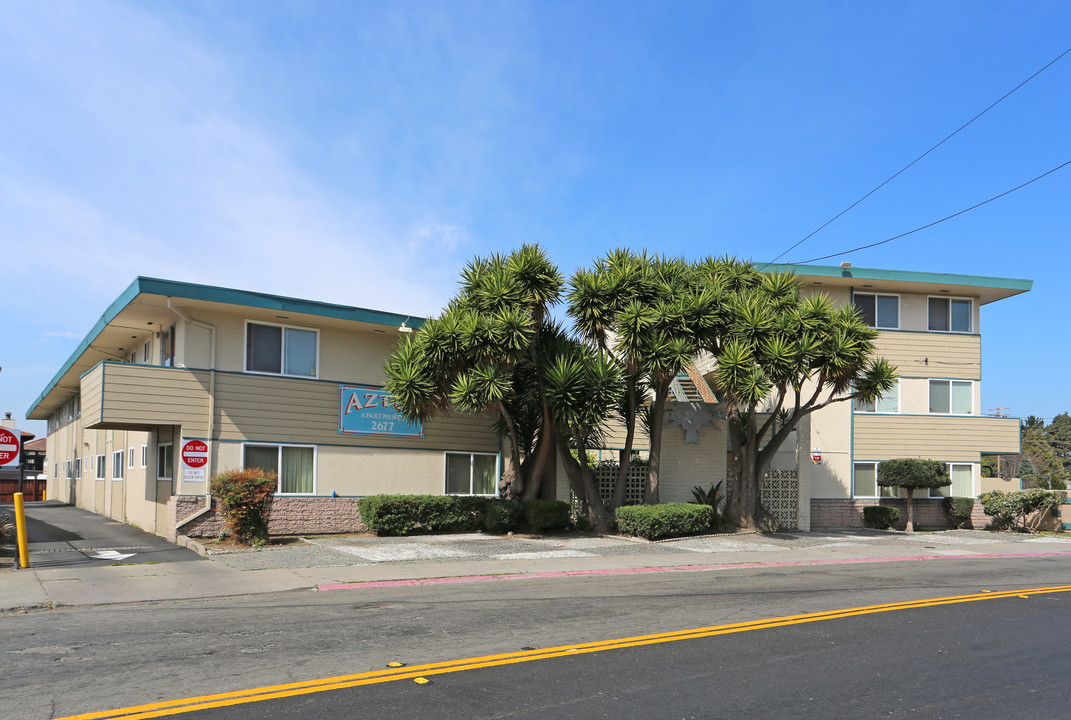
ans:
(402, 514)
(959, 511)
(1011, 510)
(547, 515)
(880, 517)
(500, 516)
(662, 521)
(245, 497)
(712, 497)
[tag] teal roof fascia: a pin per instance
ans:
(903, 276)
(210, 293)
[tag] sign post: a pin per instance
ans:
(194, 457)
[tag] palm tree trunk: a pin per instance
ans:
(650, 493)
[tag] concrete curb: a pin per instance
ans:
(191, 544)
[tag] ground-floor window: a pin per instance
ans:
(78, 468)
(145, 456)
(67, 471)
(294, 464)
(471, 474)
(102, 468)
(117, 465)
(165, 460)
(962, 482)
(865, 482)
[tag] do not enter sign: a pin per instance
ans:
(194, 457)
(9, 447)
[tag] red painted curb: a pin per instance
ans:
(666, 568)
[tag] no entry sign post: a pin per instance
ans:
(194, 458)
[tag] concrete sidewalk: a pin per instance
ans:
(338, 563)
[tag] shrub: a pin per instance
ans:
(712, 497)
(546, 515)
(913, 474)
(501, 516)
(1012, 510)
(402, 514)
(662, 521)
(245, 497)
(959, 511)
(880, 517)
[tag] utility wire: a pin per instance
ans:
(936, 222)
(908, 166)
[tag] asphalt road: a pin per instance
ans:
(61, 536)
(88, 659)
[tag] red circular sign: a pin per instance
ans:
(9, 446)
(195, 454)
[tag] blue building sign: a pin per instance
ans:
(366, 410)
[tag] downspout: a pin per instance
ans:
(211, 408)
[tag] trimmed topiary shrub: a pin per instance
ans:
(654, 522)
(500, 516)
(245, 497)
(402, 514)
(880, 517)
(1012, 510)
(959, 511)
(913, 474)
(546, 515)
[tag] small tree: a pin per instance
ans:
(245, 497)
(912, 474)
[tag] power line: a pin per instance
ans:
(908, 166)
(935, 222)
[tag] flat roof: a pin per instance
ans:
(144, 288)
(987, 289)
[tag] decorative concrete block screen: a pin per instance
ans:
(606, 474)
(781, 496)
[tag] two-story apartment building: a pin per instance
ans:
(178, 381)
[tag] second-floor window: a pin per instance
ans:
(879, 311)
(280, 350)
(889, 402)
(951, 397)
(950, 314)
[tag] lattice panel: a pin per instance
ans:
(780, 495)
(606, 474)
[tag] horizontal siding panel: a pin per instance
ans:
(144, 395)
(925, 354)
(882, 437)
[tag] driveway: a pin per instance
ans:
(62, 536)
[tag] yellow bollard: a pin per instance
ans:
(43, 493)
(20, 527)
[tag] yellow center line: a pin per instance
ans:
(273, 692)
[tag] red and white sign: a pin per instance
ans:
(194, 457)
(10, 444)
(816, 456)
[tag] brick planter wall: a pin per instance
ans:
(848, 513)
(289, 516)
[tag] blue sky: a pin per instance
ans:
(361, 153)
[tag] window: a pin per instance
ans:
(962, 482)
(865, 482)
(471, 474)
(950, 314)
(67, 470)
(280, 350)
(145, 456)
(55, 470)
(130, 457)
(78, 407)
(145, 352)
(167, 347)
(165, 461)
(879, 311)
(117, 465)
(951, 397)
(102, 468)
(295, 465)
(887, 403)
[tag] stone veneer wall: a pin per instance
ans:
(289, 516)
(929, 514)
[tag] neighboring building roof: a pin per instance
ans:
(143, 308)
(987, 289)
(36, 445)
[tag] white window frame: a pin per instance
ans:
(130, 457)
(144, 456)
(279, 463)
(892, 492)
(936, 492)
(78, 468)
(146, 352)
(498, 472)
(875, 411)
(67, 471)
(950, 331)
(876, 295)
(117, 464)
(282, 351)
(929, 403)
(102, 467)
(160, 466)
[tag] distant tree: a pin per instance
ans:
(912, 474)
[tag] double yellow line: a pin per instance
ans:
(274, 692)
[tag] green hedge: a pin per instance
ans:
(880, 516)
(959, 511)
(546, 515)
(501, 516)
(402, 514)
(662, 521)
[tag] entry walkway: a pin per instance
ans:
(329, 563)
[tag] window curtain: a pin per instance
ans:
(297, 472)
